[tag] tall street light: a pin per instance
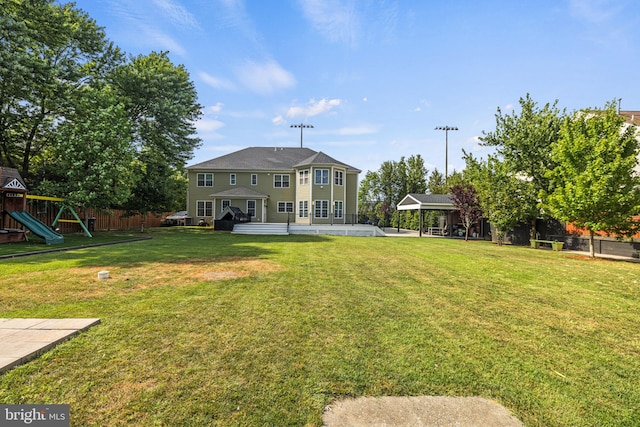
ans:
(301, 126)
(446, 130)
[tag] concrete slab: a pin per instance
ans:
(416, 411)
(22, 340)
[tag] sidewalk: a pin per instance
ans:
(24, 339)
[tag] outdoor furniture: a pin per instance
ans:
(555, 245)
(435, 231)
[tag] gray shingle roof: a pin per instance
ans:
(240, 192)
(269, 159)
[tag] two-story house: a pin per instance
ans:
(276, 185)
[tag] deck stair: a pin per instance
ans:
(260, 228)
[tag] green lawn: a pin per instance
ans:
(202, 328)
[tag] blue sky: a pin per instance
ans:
(375, 77)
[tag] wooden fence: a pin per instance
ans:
(102, 221)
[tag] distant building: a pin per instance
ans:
(278, 185)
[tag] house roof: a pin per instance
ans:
(270, 159)
(10, 180)
(416, 201)
(632, 117)
(321, 159)
(240, 192)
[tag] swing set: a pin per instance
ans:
(63, 207)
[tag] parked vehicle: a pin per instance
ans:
(178, 218)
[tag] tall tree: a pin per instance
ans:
(48, 53)
(161, 102)
(436, 184)
(523, 141)
(595, 184)
(89, 160)
(505, 198)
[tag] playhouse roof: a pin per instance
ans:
(10, 180)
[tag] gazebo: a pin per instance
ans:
(430, 202)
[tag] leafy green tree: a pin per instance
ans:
(89, 160)
(595, 184)
(49, 52)
(436, 184)
(523, 141)
(161, 102)
(505, 198)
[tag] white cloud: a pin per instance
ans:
(265, 78)
(336, 20)
(214, 109)
(279, 120)
(313, 108)
(208, 126)
(177, 13)
(215, 82)
(594, 11)
(166, 42)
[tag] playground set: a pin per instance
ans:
(13, 205)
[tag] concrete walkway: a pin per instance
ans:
(24, 339)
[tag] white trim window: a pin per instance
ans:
(285, 207)
(225, 203)
(321, 177)
(338, 177)
(232, 179)
(280, 180)
(204, 180)
(321, 209)
(303, 209)
(254, 179)
(204, 208)
(251, 207)
(303, 177)
(338, 209)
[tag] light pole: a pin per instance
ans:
(301, 126)
(446, 130)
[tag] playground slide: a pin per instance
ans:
(36, 227)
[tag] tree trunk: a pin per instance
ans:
(592, 249)
(533, 232)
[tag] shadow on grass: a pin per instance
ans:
(167, 245)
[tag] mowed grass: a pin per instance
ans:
(202, 328)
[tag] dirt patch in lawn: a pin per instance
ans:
(81, 283)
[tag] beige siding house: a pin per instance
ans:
(275, 185)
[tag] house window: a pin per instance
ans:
(205, 180)
(337, 177)
(321, 177)
(225, 204)
(321, 209)
(303, 209)
(338, 209)
(285, 207)
(280, 181)
(204, 208)
(254, 179)
(251, 207)
(232, 179)
(303, 177)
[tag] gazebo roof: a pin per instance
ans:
(434, 202)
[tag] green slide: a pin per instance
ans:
(36, 227)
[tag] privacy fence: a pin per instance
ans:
(46, 212)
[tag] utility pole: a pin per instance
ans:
(301, 126)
